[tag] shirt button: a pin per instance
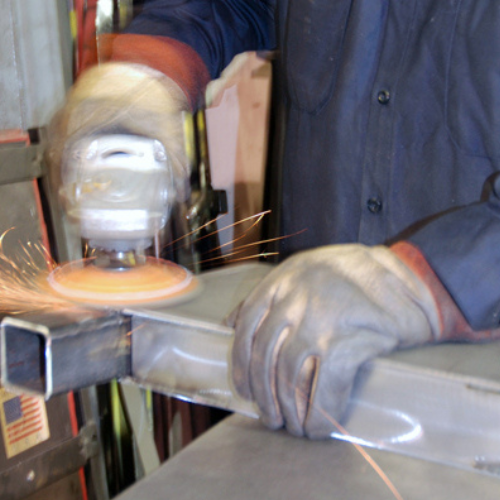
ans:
(374, 205)
(384, 97)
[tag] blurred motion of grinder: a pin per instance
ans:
(384, 193)
(129, 163)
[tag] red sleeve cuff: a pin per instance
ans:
(174, 59)
(452, 322)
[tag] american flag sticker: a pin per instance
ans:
(24, 422)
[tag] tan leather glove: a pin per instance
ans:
(301, 336)
(123, 98)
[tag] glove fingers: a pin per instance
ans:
(241, 354)
(296, 380)
(312, 381)
(272, 333)
(246, 320)
(312, 389)
(335, 378)
(329, 401)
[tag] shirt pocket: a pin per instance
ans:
(314, 38)
(473, 80)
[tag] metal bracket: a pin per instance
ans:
(20, 163)
(29, 476)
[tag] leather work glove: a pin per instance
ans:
(123, 98)
(302, 334)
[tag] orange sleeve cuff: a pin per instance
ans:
(453, 324)
(174, 59)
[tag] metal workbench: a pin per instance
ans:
(240, 459)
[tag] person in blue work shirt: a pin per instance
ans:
(390, 157)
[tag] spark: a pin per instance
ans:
(376, 467)
(231, 257)
(238, 250)
(349, 438)
(22, 279)
(240, 259)
(257, 216)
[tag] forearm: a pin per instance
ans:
(463, 249)
(191, 41)
(216, 29)
(174, 59)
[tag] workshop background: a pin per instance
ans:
(94, 443)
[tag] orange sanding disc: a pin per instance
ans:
(155, 281)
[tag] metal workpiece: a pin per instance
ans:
(439, 403)
(184, 350)
(52, 353)
(181, 350)
(187, 359)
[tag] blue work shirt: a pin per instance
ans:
(392, 120)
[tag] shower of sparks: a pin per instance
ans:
(256, 218)
(22, 278)
(236, 254)
(23, 272)
(238, 245)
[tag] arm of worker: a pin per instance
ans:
(192, 41)
(463, 248)
(302, 335)
(216, 30)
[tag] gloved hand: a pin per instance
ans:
(123, 98)
(302, 334)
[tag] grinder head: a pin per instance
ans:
(120, 190)
(154, 281)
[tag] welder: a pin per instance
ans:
(390, 158)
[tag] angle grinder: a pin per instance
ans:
(120, 190)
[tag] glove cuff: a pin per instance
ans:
(452, 323)
(174, 59)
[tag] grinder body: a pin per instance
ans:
(120, 190)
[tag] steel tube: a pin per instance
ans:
(47, 354)
(441, 403)
(182, 350)
(185, 358)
